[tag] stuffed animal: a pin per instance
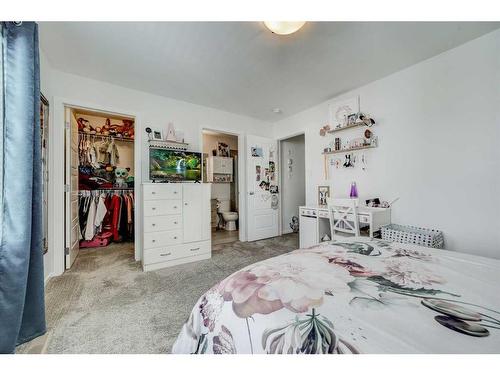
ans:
(121, 175)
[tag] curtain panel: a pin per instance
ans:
(22, 309)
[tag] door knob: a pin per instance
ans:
(251, 193)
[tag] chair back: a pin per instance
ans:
(343, 216)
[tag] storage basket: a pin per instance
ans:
(414, 235)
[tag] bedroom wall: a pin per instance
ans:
(293, 189)
(438, 126)
(152, 110)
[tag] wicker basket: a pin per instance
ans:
(414, 235)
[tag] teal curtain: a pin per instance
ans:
(22, 309)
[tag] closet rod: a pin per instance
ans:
(124, 139)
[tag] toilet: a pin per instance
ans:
(228, 216)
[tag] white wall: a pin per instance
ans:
(293, 186)
(151, 110)
(438, 126)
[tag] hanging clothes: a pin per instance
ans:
(114, 156)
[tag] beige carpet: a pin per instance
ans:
(106, 304)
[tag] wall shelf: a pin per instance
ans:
(355, 125)
(349, 150)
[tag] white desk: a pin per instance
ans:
(314, 222)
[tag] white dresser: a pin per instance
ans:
(176, 224)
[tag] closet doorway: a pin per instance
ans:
(293, 181)
(99, 182)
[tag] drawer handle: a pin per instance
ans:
(165, 254)
(195, 249)
(154, 225)
(153, 208)
(175, 222)
(153, 192)
(175, 237)
(185, 204)
(175, 192)
(153, 241)
(175, 206)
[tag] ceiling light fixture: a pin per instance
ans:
(277, 110)
(284, 28)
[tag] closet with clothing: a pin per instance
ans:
(100, 170)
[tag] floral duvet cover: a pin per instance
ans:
(356, 296)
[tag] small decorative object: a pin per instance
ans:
(171, 133)
(223, 149)
(337, 144)
(157, 135)
(349, 161)
(273, 189)
(325, 238)
(256, 152)
(323, 195)
(149, 131)
(368, 121)
(324, 130)
(294, 225)
(351, 119)
(271, 166)
(354, 190)
(121, 175)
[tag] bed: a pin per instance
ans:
(355, 296)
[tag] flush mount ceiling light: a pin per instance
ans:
(277, 111)
(284, 28)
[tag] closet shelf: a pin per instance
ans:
(124, 139)
(348, 150)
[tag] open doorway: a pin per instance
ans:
(293, 181)
(99, 183)
(220, 156)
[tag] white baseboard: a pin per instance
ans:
(47, 279)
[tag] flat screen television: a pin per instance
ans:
(174, 165)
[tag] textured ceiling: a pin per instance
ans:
(242, 67)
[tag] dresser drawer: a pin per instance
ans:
(157, 239)
(162, 191)
(162, 223)
(166, 253)
(162, 207)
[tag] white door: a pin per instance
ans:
(196, 212)
(262, 175)
(72, 231)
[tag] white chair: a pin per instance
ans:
(343, 216)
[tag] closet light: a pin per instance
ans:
(284, 28)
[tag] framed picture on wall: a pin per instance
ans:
(323, 195)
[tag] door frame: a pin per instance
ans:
(56, 178)
(242, 207)
(282, 170)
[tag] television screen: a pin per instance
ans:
(173, 165)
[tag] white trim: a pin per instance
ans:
(46, 280)
(56, 174)
(242, 189)
(293, 135)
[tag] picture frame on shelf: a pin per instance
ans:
(157, 135)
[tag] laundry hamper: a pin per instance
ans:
(414, 235)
